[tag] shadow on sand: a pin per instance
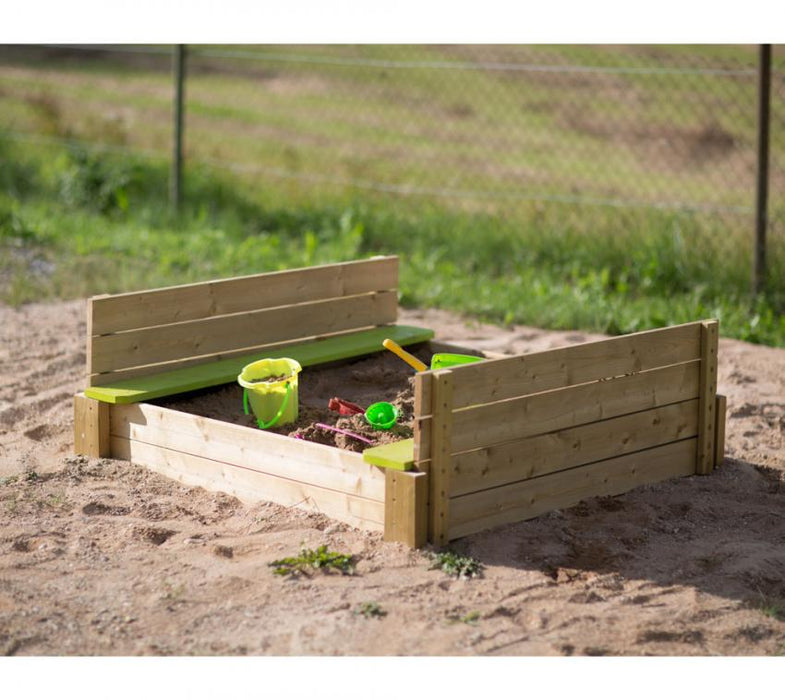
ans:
(723, 535)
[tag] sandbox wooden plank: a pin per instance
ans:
(503, 421)
(422, 407)
(441, 456)
(532, 497)
(211, 336)
(708, 392)
(406, 508)
(495, 380)
(157, 307)
(564, 449)
(719, 432)
(91, 427)
(249, 485)
(277, 455)
(225, 371)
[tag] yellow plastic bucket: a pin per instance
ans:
(273, 401)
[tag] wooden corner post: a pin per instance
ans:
(441, 456)
(707, 397)
(406, 507)
(91, 427)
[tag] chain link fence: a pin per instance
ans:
(504, 130)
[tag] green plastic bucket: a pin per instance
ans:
(272, 402)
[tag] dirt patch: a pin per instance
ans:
(380, 377)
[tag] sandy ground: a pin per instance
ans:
(99, 556)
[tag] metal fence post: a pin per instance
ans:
(177, 154)
(762, 179)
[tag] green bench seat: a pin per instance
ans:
(394, 455)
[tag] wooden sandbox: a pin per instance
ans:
(494, 442)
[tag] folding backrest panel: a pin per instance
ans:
(508, 439)
(141, 333)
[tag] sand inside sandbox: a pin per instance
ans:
(379, 377)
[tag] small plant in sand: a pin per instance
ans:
(369, 610)
(313, 559)
(771, 607)
(471, 618)
(173, 591)
(456, 565)
(11, 504)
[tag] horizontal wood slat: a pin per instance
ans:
(250, 485)
(522, 417)
(196, 364)
(246, 330)
(495, 380)
(157, 307)
(564, 449)
(116, 387)
(277, 455)
(528, 499)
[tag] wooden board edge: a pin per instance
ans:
(91, 427)
(214, 336)
(382, 270)
(545, 412)
(534, 497)
(708, 391)
(719, 432)
(568, 448)
(123, 391)
(261, 451)
(441, 456)
(249, 485)
(406, 508)
(555, 368)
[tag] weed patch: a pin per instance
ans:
(92, 181)
(456, 565)
(472, 618)
(310, 560)
(773, 608)
(370, 610)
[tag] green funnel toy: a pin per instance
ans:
(381, 415)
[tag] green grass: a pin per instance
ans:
(74, 224)
(770, 605)
(591, 135)
(77, 223)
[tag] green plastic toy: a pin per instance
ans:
(451, 359)
(381, 415)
